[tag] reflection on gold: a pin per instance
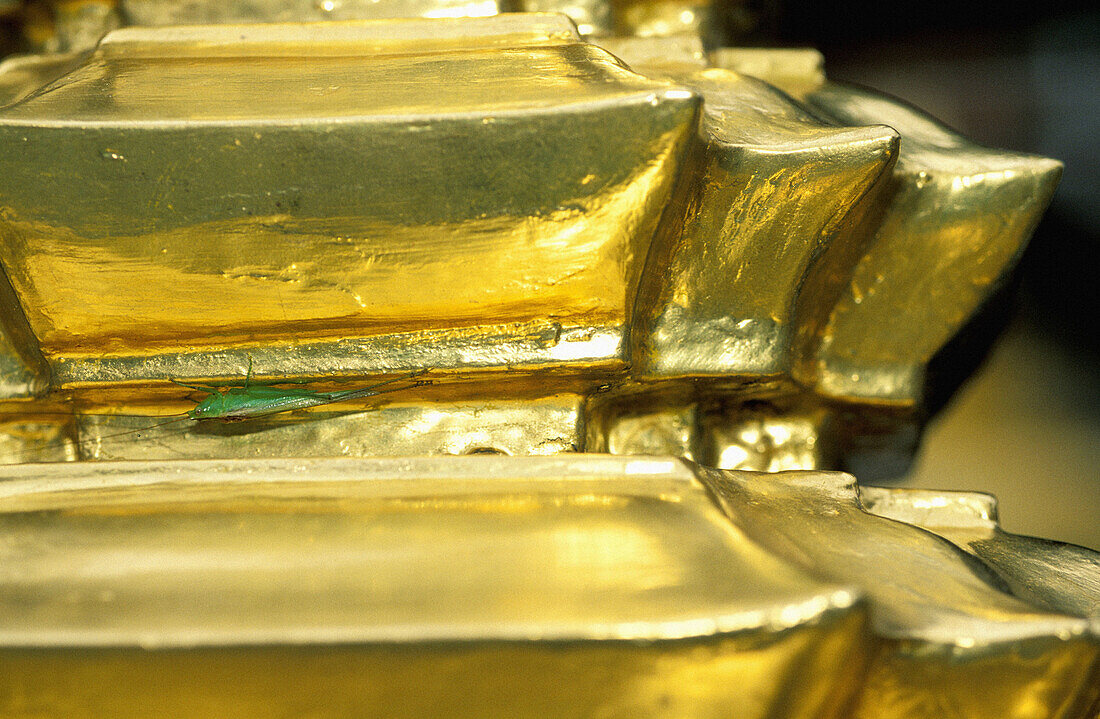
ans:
(171, 12)
(517, 427)
(593, 17)
(403, 567)
(624, 250)
(949, 621)
(278, 245)
(534, 217)
(762, 219)
(665, 18)
(1062, 577)
(795, 71)
(767, 438)
(953, 221)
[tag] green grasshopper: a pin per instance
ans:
(238, 403)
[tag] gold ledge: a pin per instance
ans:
(764, 208)
(527, 347)
(952, 222)
(396, 568)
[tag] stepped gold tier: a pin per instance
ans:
(627, 263)
(577, 585)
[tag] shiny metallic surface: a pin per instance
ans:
(795, 71)
(20, 75)
(517, 427)
(265, 162)
(723, 290)
(637, 429)
(634, 232)
(1062, 577)
(593, 17)
(952, 221)
(665, 18)
(480, 569)
(192, 12)
(949, 623)
(649, 247)
(658, 55)
(600, 585)
(768, 438)
(23, 370)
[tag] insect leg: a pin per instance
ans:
(373, 389)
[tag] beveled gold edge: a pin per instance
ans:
(746, 624)
(34, 379)
(1047, 629)
(534, 344)
(341, 36)
(768, 623)
(661, 91)
(658, 477)
(663, 478)
(953, 508)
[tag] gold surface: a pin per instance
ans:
(764, 213)
(515, 427)
(25, 437)
(953, 220)
(1062, 577)
(20, 75)
(23, 370)
(665, 258)
(666, 18)
(75, 25)
(768, 438)
(645, 583)
(795, 71)
(955, 640)
(749, 219)
(658, 55)
(481, 580)
(264, 162)
(635, 428)
(593, 17)
(174, 12)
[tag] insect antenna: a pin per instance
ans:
(68, 441)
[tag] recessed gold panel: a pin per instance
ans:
(640, 429)
(658, 56)
(593, 17)
(666, 18)
(517, 427)
(767, 438)
(796, 71)
(23, 371)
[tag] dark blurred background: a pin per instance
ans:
(1026, 425)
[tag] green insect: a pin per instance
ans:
(248, 401)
